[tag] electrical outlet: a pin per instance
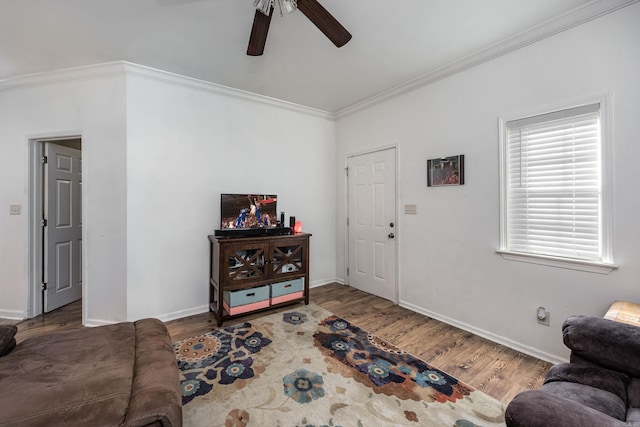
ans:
(410, 209)
(543, 315)
(15, 209)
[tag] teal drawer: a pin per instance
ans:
(246, 296)
(287, 287)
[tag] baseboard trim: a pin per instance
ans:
(551, 358)
(166, 317)
(183, 313)
(92, 323)
(13, 314)
(318, 283)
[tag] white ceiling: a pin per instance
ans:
(394, 41)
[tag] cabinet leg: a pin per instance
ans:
(219, 317)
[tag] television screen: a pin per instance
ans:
(248, 210)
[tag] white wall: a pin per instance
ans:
(448, 265)
(158, 150)
(55, 105)
(187, 143)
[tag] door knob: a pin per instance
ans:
(392, 225)
(391, 235)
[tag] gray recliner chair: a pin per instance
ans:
(600, 386)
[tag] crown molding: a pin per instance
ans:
(573, 18)
(123, 68)
(149, 73)
(588, 12)
(86, 72)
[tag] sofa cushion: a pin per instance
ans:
(7, 338)
(608, 343)
(604, 379)
(77, 376)
(601, 400)
(537, 408)
(156, 378)
(633, 400)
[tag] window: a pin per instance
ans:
(552, 187)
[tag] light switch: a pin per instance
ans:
(15, 209)
(410, 209)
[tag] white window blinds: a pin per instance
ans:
(553, 179)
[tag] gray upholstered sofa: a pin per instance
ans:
(600, 386)
(117, 375)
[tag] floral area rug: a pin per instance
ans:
(307, 367)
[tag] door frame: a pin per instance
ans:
(36, 213)
(398, 233)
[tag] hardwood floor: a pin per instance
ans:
(62, 319)
(492, 368)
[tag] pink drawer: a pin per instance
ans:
(245, 308)
(286, 297)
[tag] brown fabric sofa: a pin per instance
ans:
(599, 388)
(116, 375)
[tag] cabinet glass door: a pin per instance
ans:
(288, 259)
(245, 264)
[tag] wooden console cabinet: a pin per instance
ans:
(240, 264)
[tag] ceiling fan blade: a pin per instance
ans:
(259, 31)
(324, 21)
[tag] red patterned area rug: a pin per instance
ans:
(308, 367)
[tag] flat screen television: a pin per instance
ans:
(248, 211)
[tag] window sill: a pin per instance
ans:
(571, 264)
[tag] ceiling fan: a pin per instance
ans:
(313, 10)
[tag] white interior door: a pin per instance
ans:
(63, 231)
(372, 223)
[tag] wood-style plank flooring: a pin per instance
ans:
(492, 368)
